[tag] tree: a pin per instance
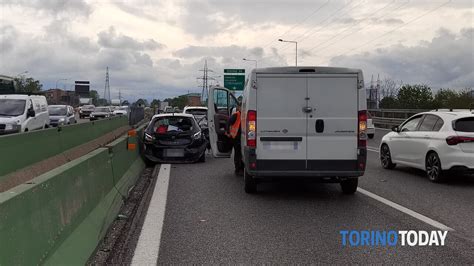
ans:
(95, 96)
(415, 97)
(388, 87)
(389, 102)
(155, 103)
(445, 98)
(28, 85)
(141, 102)
(102, 102)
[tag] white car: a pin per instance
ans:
(431, 141)
(123, 110)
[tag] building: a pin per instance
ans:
(194, 99)
(58, 96)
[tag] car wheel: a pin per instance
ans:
(386, 157)
(202, 159)
(433, 167)
(250, 183)
(371, 136)
(349, 186)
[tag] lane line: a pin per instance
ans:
(373, 149)
(405, 210)
(148, 246)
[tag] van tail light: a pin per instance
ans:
(362, 130)
(252, 129)
(455, 140)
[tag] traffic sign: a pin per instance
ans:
(234, 71)
(234, 82)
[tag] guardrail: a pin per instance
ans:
(21, 150)
(387, 118)
(59, 218)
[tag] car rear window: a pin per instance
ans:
(163, 125)
(464, 124)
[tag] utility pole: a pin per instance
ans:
(205, 80)
(120, 97)
(107, 86)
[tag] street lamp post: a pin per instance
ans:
(253, 60)
(296, 53)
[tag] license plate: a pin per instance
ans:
(174, 153)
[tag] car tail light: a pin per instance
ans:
(362, 130)
(455, 140)
(162, 129)
(252, 129)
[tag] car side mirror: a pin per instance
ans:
(30, 113)
(395, 129)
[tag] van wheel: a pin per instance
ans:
(371, 136)
(349, 186)
(386, 157)
(433, 167)
(250, 183)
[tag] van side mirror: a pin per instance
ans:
(395, 129)
(30, 113)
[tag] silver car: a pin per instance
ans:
(60, 115)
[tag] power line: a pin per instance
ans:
(326, 21)
(345, 30)
(399, 27)
(298, 23)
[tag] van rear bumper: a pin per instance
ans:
(306, 168)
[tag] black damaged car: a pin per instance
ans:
(173, 138)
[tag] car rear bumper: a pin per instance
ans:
(457, 159)
(371, 130)
(191, 154)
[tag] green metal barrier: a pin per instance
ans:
(60, 217)
(21, 150)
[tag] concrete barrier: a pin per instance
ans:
(59, 217)
(21, 150)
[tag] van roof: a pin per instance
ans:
(307, 69)
(20, 96)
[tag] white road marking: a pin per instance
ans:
(148, 246)
(405, 210)
(373, 149)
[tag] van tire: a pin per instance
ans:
(250, 183)
(371, 136)
(349, 186)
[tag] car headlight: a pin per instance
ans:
(8, 126)
(197, 135)
(149, 138)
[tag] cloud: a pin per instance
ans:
(445, 61)
(8, 35)
(54, 7)
(110, 39)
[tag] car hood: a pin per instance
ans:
(8, 120)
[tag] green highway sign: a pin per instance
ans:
(234, 82)
(234, 71)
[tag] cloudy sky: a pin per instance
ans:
(155, 49)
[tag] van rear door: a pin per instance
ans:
(332, 122)
(281, 121)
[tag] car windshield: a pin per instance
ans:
(172, 124)
(57, 110)
(12, 107)
(101, 109)
(197, 112)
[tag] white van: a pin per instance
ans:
(22, 113)
(296, 122)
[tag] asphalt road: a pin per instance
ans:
(209, 219)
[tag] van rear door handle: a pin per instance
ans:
(307, 109)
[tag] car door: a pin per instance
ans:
(219, 105)
(400, 146)
(421, 139)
